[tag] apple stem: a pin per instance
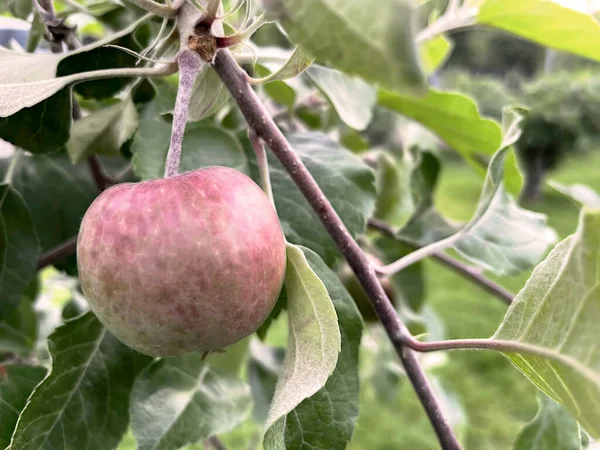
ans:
(190, 65)
(262, 162)
(235, 79)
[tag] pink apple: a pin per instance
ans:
(193, 262)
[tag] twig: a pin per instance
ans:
(98, 173)
(263, 164)
(259, 120)
(190, 65)
(216, 443)
(57, 253)
(452, 263)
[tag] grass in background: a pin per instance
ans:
(497, 399)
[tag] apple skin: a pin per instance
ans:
(359, 295)
(194, 262)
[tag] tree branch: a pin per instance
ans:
(452, 263)
(157, 8)
(58, 253)
(259, 120)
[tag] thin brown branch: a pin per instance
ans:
(454, 264)
(98, 173)
(259, 120)
(58, 253)
(215, 443)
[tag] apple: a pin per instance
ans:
(189, 263)
(357, 292)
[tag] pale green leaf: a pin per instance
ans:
(579, 192)
(103, 131)
(16, 384)
(348, 183)
(18, 332)
(180, 400)
(376, 44)
(395, 204)
(326, 420)
(455, 119)
(552, 324)
(19, 249)
(546, 23)
(208, 95)
(83, 402)
(314, 337)
(203, 145)
(501, 236)
(352, 98)
(553, 428)
(297, 63)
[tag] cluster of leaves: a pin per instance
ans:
(65, 381)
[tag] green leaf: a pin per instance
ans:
(19, 249)
(352, 98)
(203, 145)
(103, 131)
(83, 402)
(42, 181)
(282, 93)
(394, 200)
(346, 181)
(426, 225)
(552, 324)
(376, 44)
(546, 23)
(263, 368)
(16, 383)
(19, 8)
(208, 95)
(553, 428)
(445, 114)
(314, 337)
(18, 333)
(293, 66)
(501, 236)
(579, 192)
(435, 52)
(180, 400)
(327, 418)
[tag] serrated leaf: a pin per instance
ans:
(501, 236)
(203, 145)
(297, 63)
(553, 428)
(552, 324)
(42, 181)
(103, 131)
(208, 95)
(546, 23)
(83, 402)
(36, 116)
(347, 182)
(327, 419)
(376, 44)
(444, 113)
(16, 383)
(314, 337)
(19, 249)
(352, 98)
(579, 192)
(180, 400)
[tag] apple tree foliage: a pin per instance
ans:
(87, 101)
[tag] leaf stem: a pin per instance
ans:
(14, 161)
(262, 162)
(190, 65)
(259, 120)
(452, 263)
